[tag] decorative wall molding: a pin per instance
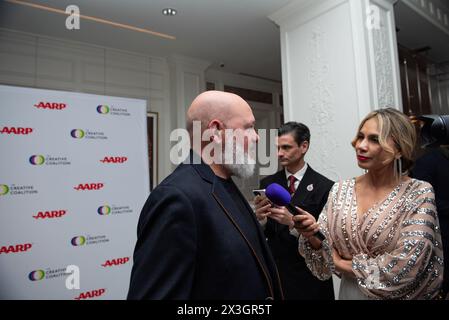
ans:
(189, 63)
(220, 79)
(383, 66)
(433, 11)
(322, 106)
(383, 58)
(299, 12)
(17, 58)
(187, 81)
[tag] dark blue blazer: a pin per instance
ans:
(191, 244)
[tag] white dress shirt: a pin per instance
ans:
(298, 175)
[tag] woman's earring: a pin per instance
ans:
(397, 167)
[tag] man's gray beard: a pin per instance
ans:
(243, 171)
(241, 168)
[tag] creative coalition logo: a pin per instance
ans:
(103, 109)
(16, 130)
(38, 160)
(79, 241)
(36, 275)
(90, 294)
(77, 133)
(87, 134)
(114, 159)
(53, 214)
(51, 105)
(4, 189)
(89, 186)
(112, 110)
(49, 273)
(115, 262)
(112, 210)
(17, 248)
(17, 190)
(104, 210)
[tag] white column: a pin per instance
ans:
(187, 80)
(339, 61)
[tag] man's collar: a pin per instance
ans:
(299, 174)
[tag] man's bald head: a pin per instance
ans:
(212, 105)
(221, 113)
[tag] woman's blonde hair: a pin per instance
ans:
(393, 123)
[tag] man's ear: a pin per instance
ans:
(305, 146)
(214, 127)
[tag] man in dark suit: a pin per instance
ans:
(432, 167)
(197, 235)
(309, 191)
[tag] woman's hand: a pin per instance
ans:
(305, 223)
(307, 226)
(342, 266)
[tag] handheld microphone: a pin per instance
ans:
(281, 197)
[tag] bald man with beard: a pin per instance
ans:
(197, 236)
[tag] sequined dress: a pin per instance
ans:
(395, 246)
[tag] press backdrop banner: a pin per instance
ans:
(73, 179)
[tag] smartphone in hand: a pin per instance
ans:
(259, 192)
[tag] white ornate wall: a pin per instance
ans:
(335, 70)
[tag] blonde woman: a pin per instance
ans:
(382, 231)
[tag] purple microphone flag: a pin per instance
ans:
(278, 194)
